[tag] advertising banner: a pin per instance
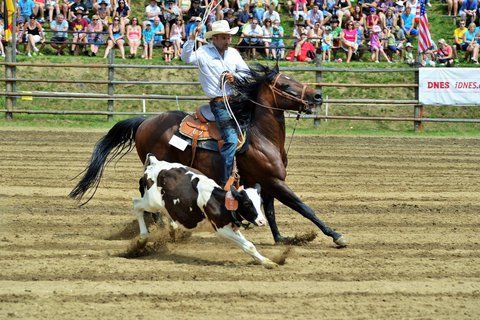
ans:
(449, 86)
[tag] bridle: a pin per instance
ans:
(276, 91)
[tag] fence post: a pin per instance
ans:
(9, 86)
(418, 108)
(318, 79)
(111, 89)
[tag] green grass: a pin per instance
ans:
(441, 27)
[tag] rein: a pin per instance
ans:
(276, 91)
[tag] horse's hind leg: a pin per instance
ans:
(286, 196)
(269, 209)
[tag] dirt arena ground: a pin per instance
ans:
(410, 207)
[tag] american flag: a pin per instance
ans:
(424, 40)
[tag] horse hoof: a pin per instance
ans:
(269, 264)
(341, 242)
(142, 241)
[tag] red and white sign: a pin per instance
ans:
(449, 86)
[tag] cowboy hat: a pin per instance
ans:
(376, 28)
(220, 27)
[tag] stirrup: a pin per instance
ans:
(229, 183)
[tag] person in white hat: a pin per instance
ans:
(216, 61)
(409, 59)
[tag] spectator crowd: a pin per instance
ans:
(380, 30)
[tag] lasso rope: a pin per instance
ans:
(210, 7)
(223, 82)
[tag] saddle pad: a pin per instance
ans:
(210, 144)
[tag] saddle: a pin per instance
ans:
(202, 126)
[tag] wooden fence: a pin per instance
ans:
(110, 96)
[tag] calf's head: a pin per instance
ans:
(249, 203)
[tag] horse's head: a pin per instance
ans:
(249, 204)
(289, 94)
(264, 85)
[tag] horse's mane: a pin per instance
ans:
(247, 85)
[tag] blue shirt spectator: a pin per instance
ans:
(469, 5)
(469, 9)
(193, 26)
(26, 9)
(148, 33)
(242, 19)
(407, 22)
(157, 28)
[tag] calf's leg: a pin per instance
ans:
(239, 240)
(139, 213)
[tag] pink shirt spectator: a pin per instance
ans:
(349, 35)
(300, 5)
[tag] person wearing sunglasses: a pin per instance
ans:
(35, 35)
(116, 35)
(348, 40)
(177, 34)
(252, 38)
(122, 12)
(277, 45)
(79, 26)
(95, 35)
(172, 14)
(134, 36)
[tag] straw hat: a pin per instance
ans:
(220, 27)
(376, 28)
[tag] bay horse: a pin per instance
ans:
(264, 95)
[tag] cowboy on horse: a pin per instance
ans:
(218, 64)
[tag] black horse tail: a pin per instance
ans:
(119, 141)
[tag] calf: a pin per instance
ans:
(190, 199)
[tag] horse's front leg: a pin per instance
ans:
(269, 209)
(239, 240)
(286, 196)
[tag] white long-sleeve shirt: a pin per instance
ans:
(212, 65)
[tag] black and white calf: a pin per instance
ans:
(191, 199)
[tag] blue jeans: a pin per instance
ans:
(229, 135)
